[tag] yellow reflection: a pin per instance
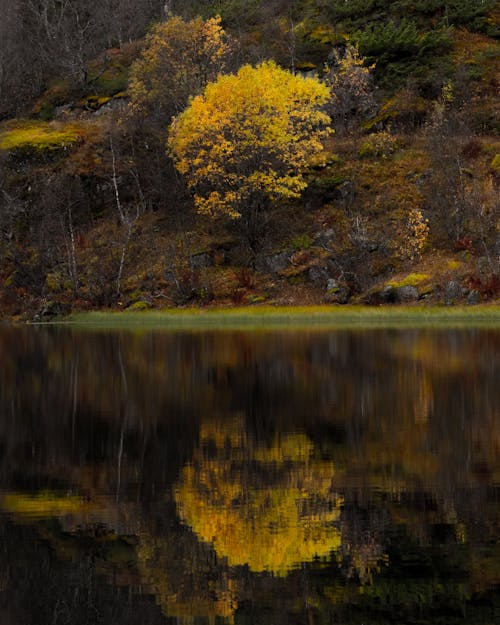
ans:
(42, 505)
(270, 507)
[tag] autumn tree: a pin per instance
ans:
(179, 59)
(351, 85)
(244, 143)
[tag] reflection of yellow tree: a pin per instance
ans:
(268, 507)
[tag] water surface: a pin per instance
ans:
(293, 477)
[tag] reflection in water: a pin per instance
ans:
(42, 505)
(245, 477)
(270, 507)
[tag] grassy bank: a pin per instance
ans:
(262, 317)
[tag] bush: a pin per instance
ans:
(379, 145)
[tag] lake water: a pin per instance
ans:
(281, 478)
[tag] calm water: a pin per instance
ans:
(345, 477)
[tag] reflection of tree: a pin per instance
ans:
(411, 417)
(268, 507)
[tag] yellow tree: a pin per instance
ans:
(178, 60)
(245, 141)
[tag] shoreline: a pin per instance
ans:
(275, 317)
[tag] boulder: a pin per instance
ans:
(201, 260)
(318, 275)
(406, 294)
(274, 263)
(483, 266)
(332, 285)
(474, 297)
(452, 292)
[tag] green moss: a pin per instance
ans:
(328, 183)
(305, 66)
(137, 306)
(301, 242)
(38, 137)
(95, 102)
(412, 279)
(255, 299)
(113, 81)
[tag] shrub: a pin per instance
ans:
(379, 145)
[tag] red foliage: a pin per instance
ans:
(238, 296)
(472, 149)
(488, 286)
(246, 278)
(464, 245)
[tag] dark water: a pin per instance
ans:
(346, 477)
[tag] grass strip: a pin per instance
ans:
(263, 317)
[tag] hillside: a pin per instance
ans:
(400, 206)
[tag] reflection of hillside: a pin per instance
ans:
(97, 429)
(185, 577)
(268, 507)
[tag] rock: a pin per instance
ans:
(332, 284)
(201, 260)
(115, 104)
(452, 292)
(474, 297)
(406, 294)
(63, 111)
(317, 275)
(274, 263)
(483, 266)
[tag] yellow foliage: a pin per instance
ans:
(414, 236)
(39, 136)
(178, 60)
(248, 137)
(378, 145)
(268, 524)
